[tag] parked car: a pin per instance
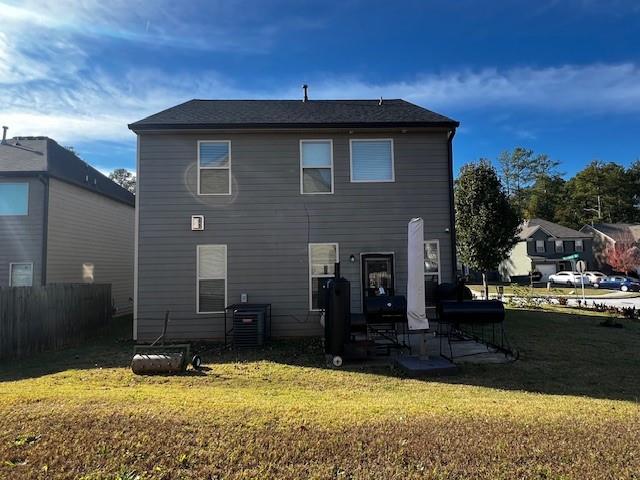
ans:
(618, 282)
(595, 277)
(570, 279)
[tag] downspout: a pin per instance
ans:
(452, 209)
(45, 228)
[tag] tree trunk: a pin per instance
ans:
(485, 285)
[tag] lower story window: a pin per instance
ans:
(21, 274)
(432, 261)
(212, 278)
(322, 260)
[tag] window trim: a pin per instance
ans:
(393, 164)
(11, 264)
(544, 246)
(26, 214)
(555, 246)
(302, 167)
(311, 276)
(575, 245)
(226, 276)
(437, 242)
(228, 142)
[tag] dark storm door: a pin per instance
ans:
(377, 275)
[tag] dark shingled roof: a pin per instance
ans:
(44, 155)
(212, 114)
(555, 230)
(620, 232)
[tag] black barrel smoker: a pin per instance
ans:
(337, 317)
(465, 319)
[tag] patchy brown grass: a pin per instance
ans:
(278, 413)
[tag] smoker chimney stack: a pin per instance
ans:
(305, 87)
(4, 134)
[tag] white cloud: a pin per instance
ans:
(50, 85)
(100, 107)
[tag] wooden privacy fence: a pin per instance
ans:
(33, 319)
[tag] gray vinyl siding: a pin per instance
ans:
(267, 224)
(21, 236)
(86, 227)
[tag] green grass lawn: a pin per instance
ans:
(554, 291)
(567, 409)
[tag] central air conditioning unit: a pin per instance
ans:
(249, 328)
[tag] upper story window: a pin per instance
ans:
(559, 246)
(372, 160)
(579, 246)
(540, 246)
(214, 167)
(316, 166)
(14, 199)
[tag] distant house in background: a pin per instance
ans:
(609, 234)
(541, 248)
(62, 221)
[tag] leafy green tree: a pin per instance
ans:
(124, 178)
(486, 222)
(633, 175)
(521, 168)
(546, 198)
(601, 192)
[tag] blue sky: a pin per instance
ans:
(560, 77)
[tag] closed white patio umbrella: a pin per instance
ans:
(416, 314)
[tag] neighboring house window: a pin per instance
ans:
(432, 261)
(21, 274)
(14, 199)
(214, 167)
(316, 166)
(322, 260)
(87, 272)
(559, 246)
(540, 246)
(579, 246)
(372, 160)
(212, 278)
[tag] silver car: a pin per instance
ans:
(595, 277)
(570, 279)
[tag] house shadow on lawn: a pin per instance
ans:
(109, 347)
(560, 354)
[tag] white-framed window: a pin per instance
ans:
(540, 246)
(88, 272)
(14, 199)
(372, 160)
(214, 167)
(322, 260)
(21, 274)
(579, 246)
(432, 261)
(316, 166)
(211, 278)
(559, 246)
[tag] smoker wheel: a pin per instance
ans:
(196, 362)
